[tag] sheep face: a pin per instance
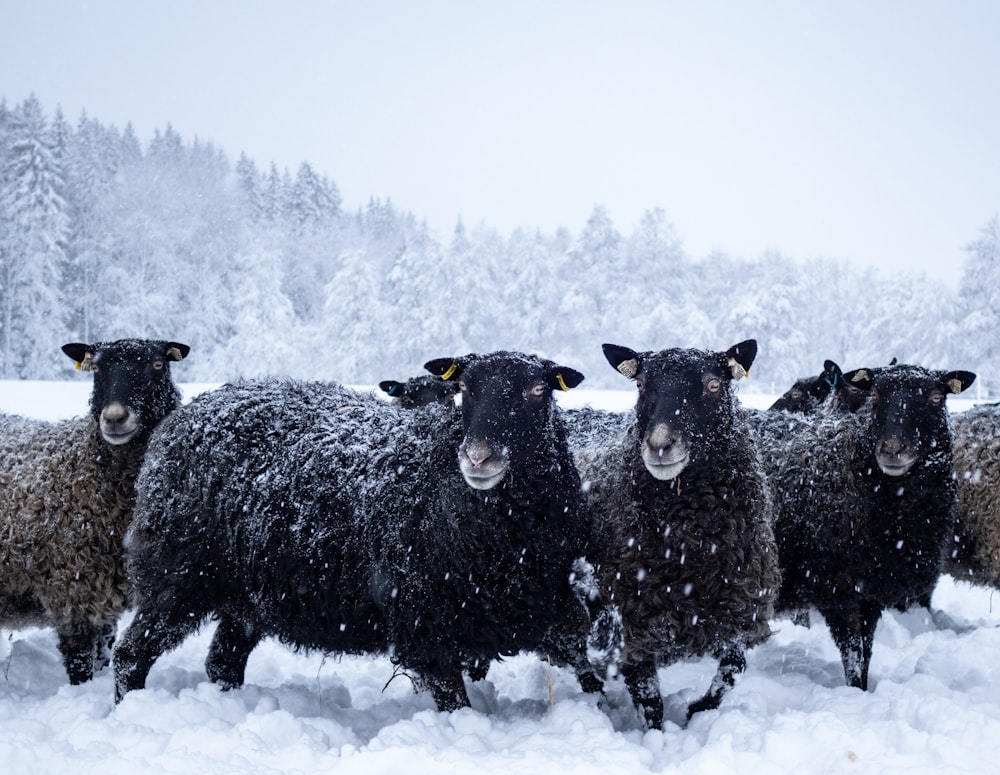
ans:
(507, 406)
(420, 391)
(908, 413)
(806, 395)
(133, 390)
(685, 401)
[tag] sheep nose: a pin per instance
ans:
(115, 414)
(478, 452)
(661, 439)
(894, 447)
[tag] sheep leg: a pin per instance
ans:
(79, 644)
(227, 656)
(448, 692)
(853, 630)
(105, 642)
(150, 634)
(732, 663)
(644, 687)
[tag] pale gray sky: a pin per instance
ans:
(867, 130)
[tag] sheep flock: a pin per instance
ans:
(460, 517)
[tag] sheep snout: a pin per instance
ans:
(480, 466)
(664, 454)
(894, 457)
(118, 424)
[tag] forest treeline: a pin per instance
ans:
(263, 271)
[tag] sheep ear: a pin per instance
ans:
(177, 351)
(740, 357)
(623, 359)
(445, 368)
(562, 378)
(391, 387)
(832, 375)
(81, 353)
(861, 378)
(957, 381)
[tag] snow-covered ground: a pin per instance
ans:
(934, 706)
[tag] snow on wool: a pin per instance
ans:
(683, 541)
(335, 521)
(66, 495)
(864, 503)
(975, 554)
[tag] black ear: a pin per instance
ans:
(81, 353)
(623, 359)
(957, 381)
(77, 351)
(391, 387)
(562, 377)
(860, 378)
(740, 357)
(832, 374)
(445, 368)
(177, 351)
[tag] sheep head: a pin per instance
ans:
(909, 414)
(506, 410)
(685, 401)
(420, 391)
(133, 390)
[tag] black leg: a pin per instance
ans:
(853, 630)
(732, 663)
(644, 686)
(227, 656)
(449, 693)
(78, 645)
(146, 638)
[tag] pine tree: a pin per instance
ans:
(34, 228)
(979, 296)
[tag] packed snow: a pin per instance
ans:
(934, 705)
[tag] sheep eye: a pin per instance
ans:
(157, 365)
(94, 368)
(796, 394)
(462, 386)
(714, 385)
(937, 397)
(853, 390)
(640, 384)
(537, 390)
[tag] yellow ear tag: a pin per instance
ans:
(79, 366)
(562, 383)
(955, 385)
(451, 372)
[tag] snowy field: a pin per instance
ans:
(934, 706)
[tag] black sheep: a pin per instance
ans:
(334, 522)
(808, 394)
(683, 543)
(864, 504)
(420, 391)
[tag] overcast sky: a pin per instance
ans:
(862, 130)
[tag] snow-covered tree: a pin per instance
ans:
(979, 311)
(34, 228)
